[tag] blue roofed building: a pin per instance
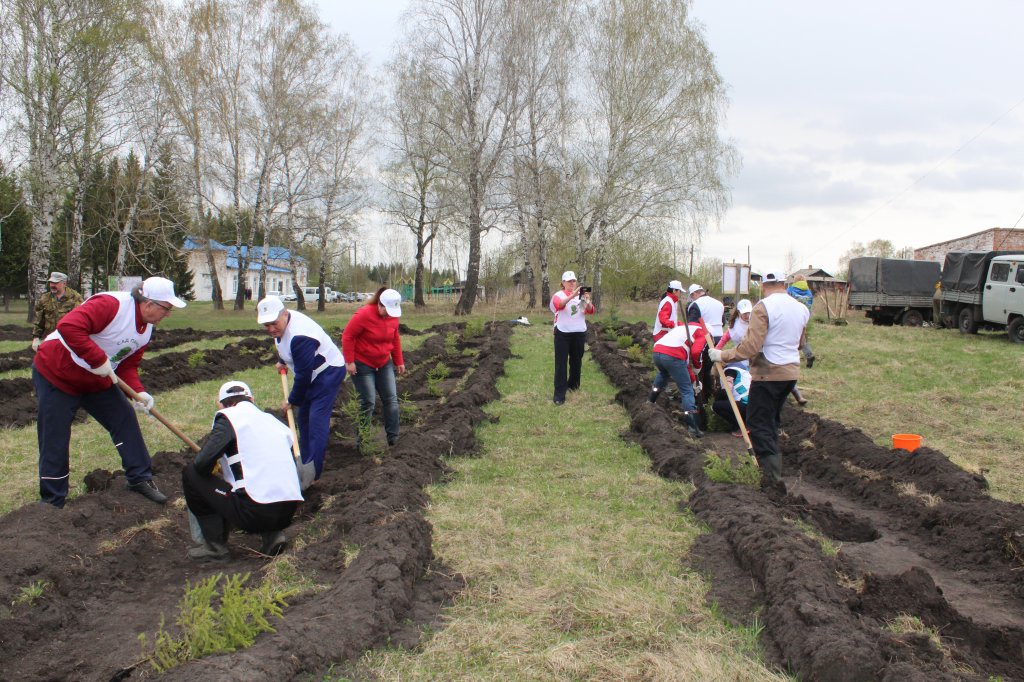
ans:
(225, 259)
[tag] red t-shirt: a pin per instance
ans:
(371, 339)
(54, 361)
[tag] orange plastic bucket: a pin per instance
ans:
(906, 441)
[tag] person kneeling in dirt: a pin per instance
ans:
(738, 381)
(95, 347)
(772, 344)
(259, 491)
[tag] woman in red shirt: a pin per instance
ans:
(373, 353)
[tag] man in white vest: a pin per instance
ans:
(258, 490)
(772, 344)
(79, 364)
(319, 368)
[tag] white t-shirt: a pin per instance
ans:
(571, 318)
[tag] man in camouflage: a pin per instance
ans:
(53, 305)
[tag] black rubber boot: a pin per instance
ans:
(800, 400)
(810, 362)
(273, 542)
(693, 424)
(652, 397)
(214, 548)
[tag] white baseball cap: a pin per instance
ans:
(161, 289)
(392, 302)
(744, 306)
(269, 309)
(568, 275)
(231, 389)
(774, 276)
(694, 288)
(57, 277)
(675, 285)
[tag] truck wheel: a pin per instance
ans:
(1016, 330)
(912, 318)
(967, 323)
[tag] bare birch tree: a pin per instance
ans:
(466, 43)
(648, 152)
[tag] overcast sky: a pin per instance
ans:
(899, 120)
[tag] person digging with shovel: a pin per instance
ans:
(95, 348)
(319, 368)
(772, 344)
(259, 491)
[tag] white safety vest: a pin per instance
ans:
(301, 325)
(787, 318)
(657, 316)
(677, 338)
(712, 311)
(117, 340)
(263, 466)
(738, 330)
(741, 385)
(571, 318)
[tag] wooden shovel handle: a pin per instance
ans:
(736, 411)
(127, 390)
(291, 417)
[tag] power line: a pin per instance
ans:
(916, 182)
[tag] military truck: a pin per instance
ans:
(984, 289)
(893, 290)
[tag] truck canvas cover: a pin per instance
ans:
(894, 276)
(966, 271)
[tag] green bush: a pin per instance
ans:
(196, 359)
(624, 340)
(636, 353)
(435, 376)
(216, 620)
(451, 344)
(723, 470)
(473, 329)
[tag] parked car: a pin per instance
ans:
(311, 294)
(290, 296)
(984, 289)
(331, 296)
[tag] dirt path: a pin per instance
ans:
(918, 537)
(361, 535)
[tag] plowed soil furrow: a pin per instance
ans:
(364, 542)
(919, 536)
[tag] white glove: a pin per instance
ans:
(697, 386)
(104, 370)
(35, 345)
(144, 403)
(715, 355)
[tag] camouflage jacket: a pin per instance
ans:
(49, 310)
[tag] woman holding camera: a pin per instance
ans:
(571, 305)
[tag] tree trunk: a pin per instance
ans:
(468, 297)
(75, 242)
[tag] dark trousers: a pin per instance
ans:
(764, 415)
(569, 347)
(313, 417)
(213, 502)
(723, 409)
(53, 427)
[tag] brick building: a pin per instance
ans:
(993, 239)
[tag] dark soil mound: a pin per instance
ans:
(361, 537)
(921, 538)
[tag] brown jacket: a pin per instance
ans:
(750, 349)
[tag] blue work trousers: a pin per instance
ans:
(57, 410)
(678, 370)
(313, 417)
(371, 382)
